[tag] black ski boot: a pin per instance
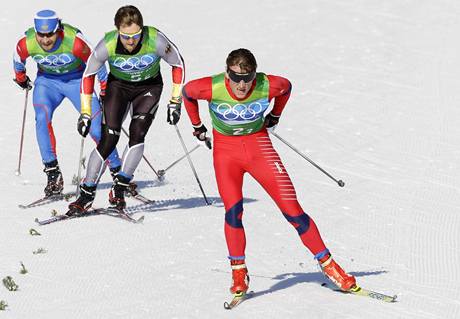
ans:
(131, 191)
(83, 202)
(117, 193)
(114, 171)
(55, 183)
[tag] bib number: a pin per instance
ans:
(241, 131)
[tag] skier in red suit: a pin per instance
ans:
(237, 101)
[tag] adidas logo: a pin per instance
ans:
(148, 94)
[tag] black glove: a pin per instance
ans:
(200, 134)
(271, 121)
(26, 85)
(83, 125)
(173, 112)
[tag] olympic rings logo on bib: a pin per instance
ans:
(240, 111)
(53, 60)
(134, 63)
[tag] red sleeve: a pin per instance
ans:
(87, 84)
(280, 90)
(20, 58)
(81, 49)
(200, 89)
(177, 75)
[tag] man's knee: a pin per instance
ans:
(108, 141)
(139, 127)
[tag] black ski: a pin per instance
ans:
(132, 192)
(47, 200)
(110, 211)
(121, 213)
(60, 217)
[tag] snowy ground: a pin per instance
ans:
(374, 102)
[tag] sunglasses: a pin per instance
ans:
(46, 35)
(127, 36)
(238, 77)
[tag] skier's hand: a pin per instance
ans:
(271, 121)
(25, 85)
(200, 134)
(84, 124)
(173, 115)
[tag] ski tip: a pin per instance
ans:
(140, 220)
(22, 206)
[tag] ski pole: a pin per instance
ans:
(339, 182)
(80, 160)
(160, 177)
(161, 172)
(191, 164)
(18, 170)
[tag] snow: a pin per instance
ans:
(374, 102)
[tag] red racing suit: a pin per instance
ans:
(253, 153)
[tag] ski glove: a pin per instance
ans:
(25, 85)
(83, 125)
(271, 121)
(200, 134)
(173, 115)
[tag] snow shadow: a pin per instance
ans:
(179, 203)
(140, 184)
(288, 280)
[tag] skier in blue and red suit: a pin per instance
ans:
(237, 101)
(60, 52)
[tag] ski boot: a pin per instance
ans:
(117, 193)
(83, 202)
(131, 191)
(240, 278)
(55, 183)
(336, 274)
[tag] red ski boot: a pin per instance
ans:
(336, 274)
(240, 278)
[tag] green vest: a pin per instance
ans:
(138, 67)
(234, 117)
(61, 60)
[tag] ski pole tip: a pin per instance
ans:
(341, 183)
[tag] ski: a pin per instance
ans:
(372, 294)
(237, 299)
(110, 211)
(47, 200)
(359, 291)
(117, 212)
(143, 199)
(132, 192)
(60, 217)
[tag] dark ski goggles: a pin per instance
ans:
(238, 77)
(127, 36)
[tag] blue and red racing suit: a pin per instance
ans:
(59, 75)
